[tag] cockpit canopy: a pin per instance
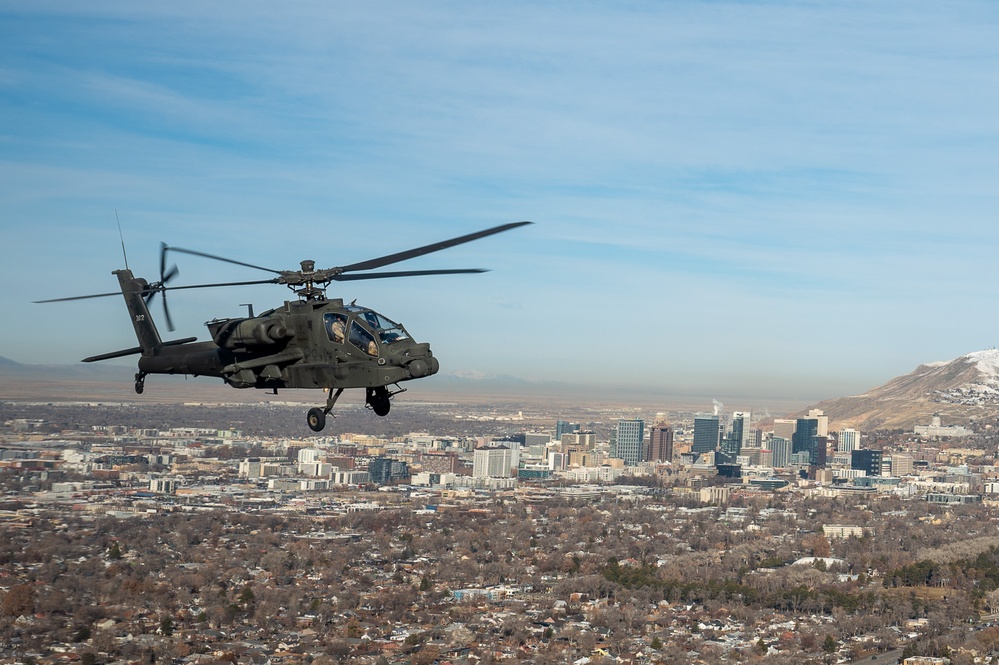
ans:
(361, 327)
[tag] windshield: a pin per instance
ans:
(362, 339)
(388, 331)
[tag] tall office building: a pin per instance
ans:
(741, 426)
(564, 427)
(820, 452)
(492, 462)
(806, 439)
(738, 434)
(784, 428)
(309, 455)
(901, 465)
(848, 441)
(868, 461)
(781, 449)
(577, 441)
(627, 441)
(822, 421)
(660, 443)
(439, 462)
(707, 433)
(385, 470)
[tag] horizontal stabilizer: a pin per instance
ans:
(135, 350)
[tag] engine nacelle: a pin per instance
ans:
(248, 333)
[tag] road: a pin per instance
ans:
(886, 658)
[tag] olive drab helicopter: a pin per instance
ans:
(311, 342)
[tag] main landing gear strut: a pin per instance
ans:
(377, 399)
(317, 417)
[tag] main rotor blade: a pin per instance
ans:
(217, 258)
(404, 273)
(149, 293)
(212, 286)
(371, 264)
(93, 295)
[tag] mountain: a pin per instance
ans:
(7, 363)
(962, 390)
(111, 382)
(78, 372)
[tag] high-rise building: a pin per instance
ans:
(738, 434)
(707, 433)
(492, 462)
(848, 441)
(514, 442)
(901, 465)
(660, 443)
(868, 461)
(385, 470)
(564, 427)
(536, 438)
(821, 420)
(806, 439)
(308, 455)
(741, 426)
(821, 451)
(558, 461)
(784, 428)
(577, 440)
(439, 462)
(627, 441)
(781, 449)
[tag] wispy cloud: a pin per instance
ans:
(774, 186)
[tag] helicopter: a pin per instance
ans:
(311, 342)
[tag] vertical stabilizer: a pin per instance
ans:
(133, 289)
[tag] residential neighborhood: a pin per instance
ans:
(199, 545)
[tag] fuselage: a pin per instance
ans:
(303, 344)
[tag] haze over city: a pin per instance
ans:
(731, 199)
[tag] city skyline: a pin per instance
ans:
(821, 174)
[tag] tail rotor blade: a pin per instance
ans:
(166, 314)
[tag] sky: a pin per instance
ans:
(794, 199)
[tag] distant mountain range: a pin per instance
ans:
(101, 381)
(962, 390)
(10, 368)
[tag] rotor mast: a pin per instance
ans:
(308, 275)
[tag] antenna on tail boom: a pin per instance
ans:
(120, 235)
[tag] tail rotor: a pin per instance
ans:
(160, 286)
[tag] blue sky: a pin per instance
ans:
(790, 199)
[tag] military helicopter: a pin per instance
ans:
(311, 342)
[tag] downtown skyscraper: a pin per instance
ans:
(627, 441)
(660, 443)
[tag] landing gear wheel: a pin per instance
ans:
(140, 383)
(381, 407)
(316, 419)
(378, 400)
